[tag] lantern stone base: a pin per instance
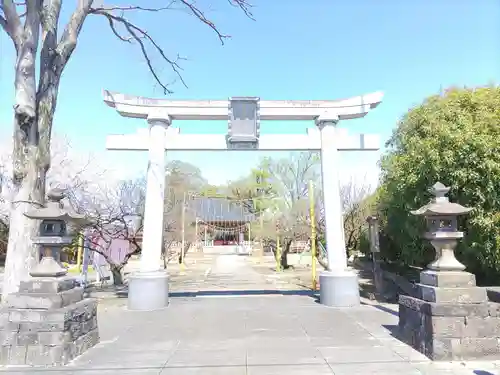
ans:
(148, 291)
(454, 321)
(339, 289)
(47, 323)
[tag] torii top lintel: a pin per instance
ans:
(345, 109)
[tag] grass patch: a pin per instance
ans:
(73, 270)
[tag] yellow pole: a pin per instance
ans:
(278, 254)
(313, 235)
(79, 253)
(261, 238)
(196, 234)
(250, 234)
(183, 242)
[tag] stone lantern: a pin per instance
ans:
(441, 217)
(449, 317)
(49, 322)
(59, 225)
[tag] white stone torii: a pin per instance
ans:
(148, 289)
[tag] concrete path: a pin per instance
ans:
(226, 275)
(281, 332)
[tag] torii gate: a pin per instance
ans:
(148, 288)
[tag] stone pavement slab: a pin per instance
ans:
(279, 333)
(316, 369)
(207, 370)
(253, 335)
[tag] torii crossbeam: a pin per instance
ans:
(176, 141)
(148, 289)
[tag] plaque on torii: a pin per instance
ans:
(243, 125)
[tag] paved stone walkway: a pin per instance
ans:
(236, 333)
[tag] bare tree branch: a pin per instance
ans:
(201, 16)
(130, 7)
(3, 24)
(139, 35)
(117, 34)
(242, 4)
(49, 16)
(143, 38)
(69, 38)
(11, 23)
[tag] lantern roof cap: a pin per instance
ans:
(56, 209)
(440, 204)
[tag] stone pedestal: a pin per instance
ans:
(452, 319)
(148, 291)
(339, 289)
(47, 323)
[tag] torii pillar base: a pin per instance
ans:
(339, 289)
(148, 291)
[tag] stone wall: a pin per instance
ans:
(393, 284)
(48, 323)
(451, 319)
(450, 331)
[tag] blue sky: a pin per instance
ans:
(296, 49)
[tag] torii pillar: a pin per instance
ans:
(148, 288)
(338, 285)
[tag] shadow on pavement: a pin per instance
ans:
(394, 331)
(262, 292)
(382, 308)
(122, 292)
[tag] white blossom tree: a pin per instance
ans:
(353, 194)
(42, 53)
(112, 212)
(71, 169)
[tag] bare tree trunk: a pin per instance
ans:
(28, 181)
(116, 271)
(321, 260)
(31, 162)
(183, 255)
(33, 115)
(284, 255)
(164, 256)
(323, 263)
(21, 253)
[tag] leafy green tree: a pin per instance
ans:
(278, 192)
(255, 191)
(183, 182)
(453, 138)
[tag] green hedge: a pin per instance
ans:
(453, 138)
